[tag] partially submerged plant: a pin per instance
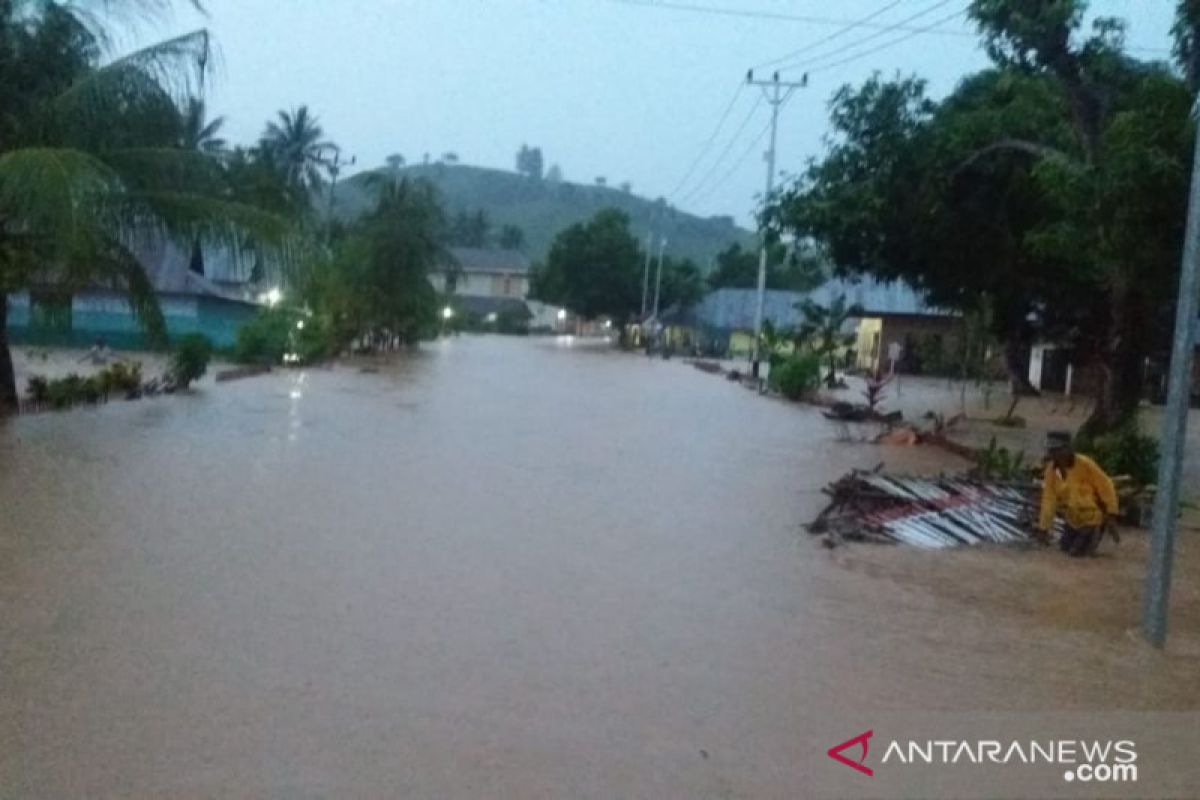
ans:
(1000, 463)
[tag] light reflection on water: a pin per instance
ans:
(497, 568)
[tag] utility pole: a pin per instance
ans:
(646, 271)
(335, 169)
(1166, 500)
(777, 93)
(662, 249)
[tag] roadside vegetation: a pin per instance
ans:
(1051, 186)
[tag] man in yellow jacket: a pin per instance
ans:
(1078, 486)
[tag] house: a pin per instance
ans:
(1057, 368)
(723, 322)
(487, 287)
(190, 303)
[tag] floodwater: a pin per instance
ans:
(502, 568)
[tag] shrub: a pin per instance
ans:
(1124, 451)
(65, 392)
(264, 339)
(121, 378)
(314, 341)
(1000, 463)
(38, 389)
(796, 376)
(190, 359)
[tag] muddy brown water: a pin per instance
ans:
(501, 568)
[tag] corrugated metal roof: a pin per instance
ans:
(167, 267)
(476, 259)
(734, 309)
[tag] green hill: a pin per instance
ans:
(542, 208)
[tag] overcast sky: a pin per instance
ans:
(614, 88)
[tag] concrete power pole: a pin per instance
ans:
(1166, 501)
(662, 249)
(646, 272)
(777, 93)
(334, 166)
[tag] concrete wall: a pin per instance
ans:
(107, 315)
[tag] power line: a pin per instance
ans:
(831, 37)
(902, 25)
(670, 5)
(721, 158)
(711, 140)
(820, 67)
(736, 164)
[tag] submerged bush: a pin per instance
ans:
(189, 360)
(796, 376)
(264, 339)
(1124, 451)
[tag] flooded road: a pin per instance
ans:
(501, 568)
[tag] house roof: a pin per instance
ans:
(168, 267)
(477, 259)
(479, 306)
(734, 309)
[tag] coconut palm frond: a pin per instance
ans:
(62, 196)
(176, 69)
(99, 17)
(166, 168)
(186, 218)
(130, 276)
(199, 132)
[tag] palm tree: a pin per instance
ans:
(90, 164)
(295, 142)
(823, 328)
(199, 133)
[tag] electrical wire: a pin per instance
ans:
(671, 5)
(736, 164)
(691, 170)
(902, 25)
(821, 67)
(723, 154)
(831, 37)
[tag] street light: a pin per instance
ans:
(562, 315)
(447, 312)
(273, 296)
(300, 325)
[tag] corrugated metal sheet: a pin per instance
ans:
(475, 259)
(733, 309)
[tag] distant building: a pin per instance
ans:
(191, 303)
(892, 313)
(484, 284)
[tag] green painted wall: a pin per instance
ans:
(108, 316)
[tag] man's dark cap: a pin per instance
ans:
(1057, 439)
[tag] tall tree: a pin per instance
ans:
(594, 268)
(295, 141)
(200, 133)
(1019, 188)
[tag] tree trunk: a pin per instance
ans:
(8, 379)
(1015, 363)
(1122, 362)
(1122, 380)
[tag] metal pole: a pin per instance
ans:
(335, 169)
(777, 95)
(646, 271)
(1166, 501)
(662, 249)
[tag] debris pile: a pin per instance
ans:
(931, 513)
